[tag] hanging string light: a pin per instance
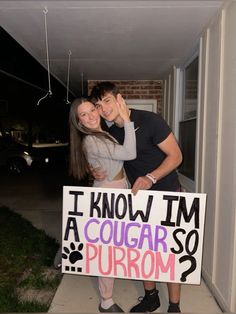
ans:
(49, 93)
(68, 78)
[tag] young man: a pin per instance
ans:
(158, 155)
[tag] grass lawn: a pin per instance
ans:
(26, 264)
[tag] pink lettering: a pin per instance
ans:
(170, 265)
(132, 262)
(91, 254)
(147, 265)
(128, 263)
(119, 260)
(102, 257)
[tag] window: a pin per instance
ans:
(190, 90)
(187, 139)
(187, 124)
(142, 104)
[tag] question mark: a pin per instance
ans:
(190, 269)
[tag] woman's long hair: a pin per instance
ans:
(79, 167)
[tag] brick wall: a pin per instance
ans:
(138, 90)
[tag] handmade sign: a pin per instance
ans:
(156, 236)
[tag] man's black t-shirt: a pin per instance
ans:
(151, 129)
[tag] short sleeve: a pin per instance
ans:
(159, 128)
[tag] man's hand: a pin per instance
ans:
(98, 173)
(142, 183)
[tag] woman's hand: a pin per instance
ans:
(123, 108)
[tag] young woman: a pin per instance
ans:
(91, 148)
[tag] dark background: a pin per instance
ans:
(23, 81)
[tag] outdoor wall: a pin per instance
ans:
(216, 153)
(210, 104)
(218, 140)
(138, 90)
(225, 255)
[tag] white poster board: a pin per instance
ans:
(156, 236)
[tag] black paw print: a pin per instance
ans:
(75, 255)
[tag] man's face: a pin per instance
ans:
(108, 107)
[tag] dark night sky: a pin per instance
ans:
(18, 100)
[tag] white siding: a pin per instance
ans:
(209, 138)
(216, 168)
(225, 255)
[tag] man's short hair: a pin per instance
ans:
(101, 89)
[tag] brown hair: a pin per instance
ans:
(79, 166)
(101, 89)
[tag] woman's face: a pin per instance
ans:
(88, 116)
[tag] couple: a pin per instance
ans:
(143, 143)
